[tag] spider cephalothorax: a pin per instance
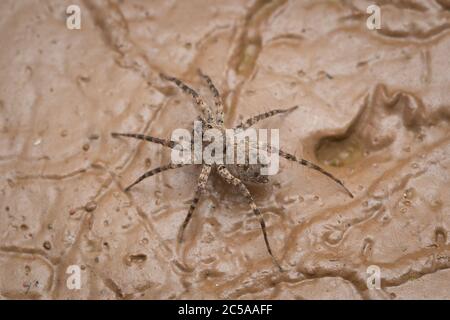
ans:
(234, 174)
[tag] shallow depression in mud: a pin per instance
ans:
(339, 152)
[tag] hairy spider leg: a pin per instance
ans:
(165, 143)
(217, 99)
(255, 119)
(229, 178)
(205, 110)
(153, 172)
(313, 166)
(201, 186)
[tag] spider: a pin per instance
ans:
(237, 175)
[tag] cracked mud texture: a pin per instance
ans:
(374, 110)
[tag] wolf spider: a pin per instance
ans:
(235, 174)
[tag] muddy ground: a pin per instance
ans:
(374, 111)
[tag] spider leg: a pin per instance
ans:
(201, 185)
(229, 178)
(253, 120)
(188, 90)
(217, 99)
(153, 172)
(313, 166)
(166, 143)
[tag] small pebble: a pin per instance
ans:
(86, 147)
(90, 206)
(27, 269)
(47, 245)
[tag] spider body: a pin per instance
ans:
(233, 174)
(248, 173)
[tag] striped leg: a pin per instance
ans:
(229, 178)
(197, 99)
(166, 143)
(217, 99)
(253, 120)
(201, 185)
(153, 172)
(313, 166)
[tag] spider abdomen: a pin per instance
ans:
(248, 172)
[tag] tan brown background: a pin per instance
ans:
(383, 93)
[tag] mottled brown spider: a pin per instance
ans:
(236, 174)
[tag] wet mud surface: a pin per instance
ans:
(374, 111)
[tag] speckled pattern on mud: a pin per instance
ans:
(374, 109)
